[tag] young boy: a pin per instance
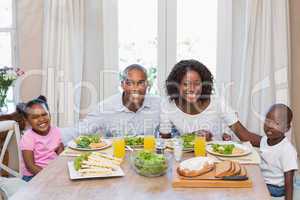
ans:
(278, 155)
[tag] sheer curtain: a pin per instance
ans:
(253, 57)
(63, 58)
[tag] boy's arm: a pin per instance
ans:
(288, 184)
(244, 135)
(29, 162)
(59, 149)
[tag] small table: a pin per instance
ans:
(54, 183)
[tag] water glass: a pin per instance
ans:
(160, 145)
(178, 147)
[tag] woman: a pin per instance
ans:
(191, 107)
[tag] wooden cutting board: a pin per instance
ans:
(208, 180)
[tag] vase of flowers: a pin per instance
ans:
(8, 75)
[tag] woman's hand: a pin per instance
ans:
(207, 134)
(226, 137)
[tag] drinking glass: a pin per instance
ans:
(200, 145)
(119, 146)
(178, 147)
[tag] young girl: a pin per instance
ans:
(40, 144)
(278, 155)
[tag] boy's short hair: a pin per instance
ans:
(288, 110)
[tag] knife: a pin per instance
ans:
(235, 178)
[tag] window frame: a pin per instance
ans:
(14, 45)
(166, 34)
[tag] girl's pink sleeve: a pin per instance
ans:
(27, 143)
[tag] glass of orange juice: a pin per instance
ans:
(149, 142)
(119, 146)
(200, 145)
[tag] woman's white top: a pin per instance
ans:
(215, 118)
(277, 159)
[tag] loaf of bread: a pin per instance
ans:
(195, 166)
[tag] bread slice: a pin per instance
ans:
(243, 171)
(237, 168)
(232, 171)
(223, 168)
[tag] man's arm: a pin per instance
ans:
(288, 184)
(92, 123)
(244, 135)
(29, 162)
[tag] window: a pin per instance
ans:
(7, 37)
(138, 36)
(159, 33)
(197, 31)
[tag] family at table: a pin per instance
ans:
(189, 106)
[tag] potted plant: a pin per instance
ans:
(8, 75)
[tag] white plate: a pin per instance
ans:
(245, 148)
(169, 144)
(76, 175)
(72, 144)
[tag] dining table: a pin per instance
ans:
(54, 182)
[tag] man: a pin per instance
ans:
(131, 113)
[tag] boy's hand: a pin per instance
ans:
(226, 137)
(288, 184)
(207, 134)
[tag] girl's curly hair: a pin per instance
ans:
(179, 71)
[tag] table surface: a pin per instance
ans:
(54, 183)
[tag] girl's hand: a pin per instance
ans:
(28, 158)
(207, 134)
(226, 137)
(59, 149)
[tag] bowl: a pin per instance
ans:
(149, 164)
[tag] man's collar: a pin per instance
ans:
(120, 107)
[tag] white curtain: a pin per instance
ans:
(63, 58)
(253, 57)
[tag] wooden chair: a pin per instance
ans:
(8, 186)
(17, 116)
(12, 131)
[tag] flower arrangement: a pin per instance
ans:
(8, 75)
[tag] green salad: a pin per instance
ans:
(223, 148)
(188, 140)
(85, 140)
(150, 164)
(78, 160)
(134, 141)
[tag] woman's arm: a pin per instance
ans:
(29, 162)
(59, 149)
(244, 135)
(288, 184)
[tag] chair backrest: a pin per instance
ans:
(11, 142)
